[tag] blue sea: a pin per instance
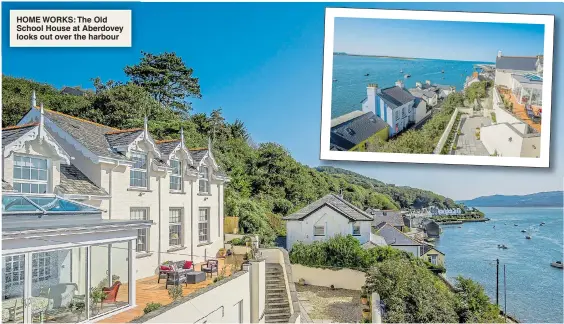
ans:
(349, 71)
(534, 288)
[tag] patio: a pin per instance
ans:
(519, 109)
(149, 291)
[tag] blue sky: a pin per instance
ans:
(262, 63)
(465, 41)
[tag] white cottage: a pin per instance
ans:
(328, 216)
(132, 176)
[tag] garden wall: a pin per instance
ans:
(342, 278)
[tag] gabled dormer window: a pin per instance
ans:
(138, 173)
(176, 175)
(30, 174)
(204, 181)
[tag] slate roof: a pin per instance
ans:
(392, 217)
(393, 236)
(340, 204)
(356, 130)
(123, 137)
(76, 183)
(427, 247)
(166, 147)
(198, 154)
(91, 135)
(11, 134)
(6, 186)
(520, 63)
(395, 96)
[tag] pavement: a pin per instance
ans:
(467, 143)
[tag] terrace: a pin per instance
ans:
(149, 291)
(520, 108)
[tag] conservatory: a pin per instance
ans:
(527, 89)
(63, 263)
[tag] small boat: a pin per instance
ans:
(541, 224)
(523, 231)
(528, 237)
(442, 71)
(557, 264)
(515, 225)
(502, 246)
(334, 80)
(459, 226)
(401, 71)
(367, 74)
(407, 76)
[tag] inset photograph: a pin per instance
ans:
(437, 87)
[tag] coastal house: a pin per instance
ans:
(507, 66)
(55, 249)
(395, 105)
(474, 78)
(431, 254)
(130, 175)
(431, 228)
(327, 217)
(392, 217)
(436, 211)
(427, 92)
(385, 234)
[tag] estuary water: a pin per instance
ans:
(534, 288)
(349, 89)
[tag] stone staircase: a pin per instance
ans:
(277, 305)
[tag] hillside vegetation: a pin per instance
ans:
(266, 182)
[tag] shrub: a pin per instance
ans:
(175, 292)
(151, 307)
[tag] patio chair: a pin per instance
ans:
(210, 267)
(173, 267)
(111, 292)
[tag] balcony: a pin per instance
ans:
(519, 110)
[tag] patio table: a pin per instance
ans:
(38, 306)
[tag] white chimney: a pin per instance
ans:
(418, 84)
(399, 83)
(428, 82)
(370, 104)
(33, 100)
(498, 53)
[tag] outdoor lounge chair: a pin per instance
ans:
(111, 292)
(210, 267)
(167, 269)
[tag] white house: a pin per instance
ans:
(385, 234)
(395, 105)
(505, 66)
(54, 249)
(133, 177)
(328, 216)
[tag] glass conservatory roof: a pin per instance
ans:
(44, 204)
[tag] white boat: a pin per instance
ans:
(557, 264)
(523, 231)
(407, 76)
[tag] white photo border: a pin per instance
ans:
(542, 161)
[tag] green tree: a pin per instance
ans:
(474, 305)
(167, 78)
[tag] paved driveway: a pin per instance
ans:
(467, 142)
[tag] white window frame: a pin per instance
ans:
(144, 232)
(135, 170)
(353, 225)
(204, 225)
(174, 176)
(203, 175)
(177, 225)
(435, 258)
(18, 182)
(316, 228)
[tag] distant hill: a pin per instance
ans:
(540, 199)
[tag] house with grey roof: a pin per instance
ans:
(384, 232)
(327, 217)
(395, 105)
(506, 66)
(126, 173)
(392, 217)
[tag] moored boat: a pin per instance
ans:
(557, 264)
(523, 231)
(528, 237)
(407, 76)
(367, 74)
